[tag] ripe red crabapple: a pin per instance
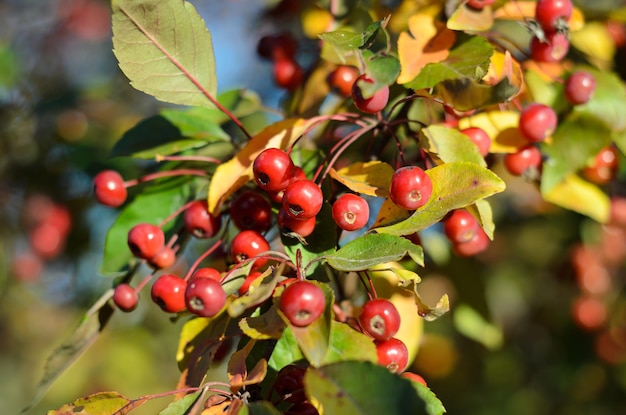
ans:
(248, 244)
(373, 104)
(479, 4)
(480, 138)
(145, 240)
(204, 297)
(553, 14)
(471, 247)
(380, 319)
(392, 354)
(168, 292)
(537, 121)
(199, 222)
(460, 226)
(552, 49)
(207, 272)
(249, 279)
(288, 74)
(273, 169)
(250, 210)
(165, 258)
(604, 166)
(303, 199)
(109, 188)
(579, 87)
(125, 297)
(522, 161)
(302, 303)
(288, 224)
(289, 383)
(350, 212)
(410, 187)
(342, 79)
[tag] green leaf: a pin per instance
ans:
(433, 404)
(468, 61)
(90, 327)
(182, 405)
(285, 352)
(10, 68)
(349, 344)
(102, 403)
(343, 40)
(575, 142)
(482, 210)
(153, 205)
(455, 185)
(165, 50)
(608, 102)
(362, 388)
(383, 70)
(266, 326)
(372, 249)
(449, 144)
(259, 408)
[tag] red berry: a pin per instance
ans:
(579, 87)
(479, 4)
(480, 138)
(289, 224)
(298, 174)
(109, 188)
(460, 226)
(46, 240)
(303, 199)
(145, 240)
(553, 14)
(288, 74)
(380, 319)
(125, 298)
(302, 303)
(410, 187)
(249, 279)
(273, 169)
(250, 210)
(168, 292)
(289, 383)
(373, 104)
(210, 273)
(604, 166)
(414, 377)
(522, 161)
(392, 354)
(476, 245)
(350, 212)
(165, 258)
(204, 297)
(537, 121)
(199, 222)
(342, 79)
(552, 49)
(248, 244)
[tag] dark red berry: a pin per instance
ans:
(204, 297)
(273, 169)
(579, 87)
(410, 187)
(250, 210)
(165, 258)
(373, 104)
(249, 280)
(392, 354)
(199, 222)
(460, 226)
(303, 199)
(289, 224)
(380, 319)
(206, 272)
(301, 408)
(476, 245)
(524, 161)
(537, 121)
(284, 46)
(289, 383)
(480, 138)
(342, 79)
(125, 297)
(350, 212)
(302, 303)
(553, 14)
(109, 188)
(551, 49)
(145, 240)
(248, 244)
(168, 292)
(604, 166)
(288, 74)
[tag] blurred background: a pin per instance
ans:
(538, 323)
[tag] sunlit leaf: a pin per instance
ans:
(482, 210)
(349, 344)
(102, 403)
(266, 326)
(500, 126)
(578, 195)
(165, 49)
(261, 291)
(372, 249)
(233, 174)
(238, 374)
(426, 41)
(383, 70)
(502, 66)
(286, 351)
(182, 405)
(449, 144)
(466, 18)
(455, 185)
(200, 336)
(369, 178)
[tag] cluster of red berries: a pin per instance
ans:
(550, 42)
(465, 233)
(281, 50)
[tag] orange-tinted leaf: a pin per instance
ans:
(237, 369)
(473, 20)
(102, 403)
(426, 42)
(502, 65)
(371, 178)
(501, 126)
(233, 174)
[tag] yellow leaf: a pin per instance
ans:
(502, 65)
(371, 178)
(501, 126)
(389, 214)
(595, 41)
(427, 41)
(469, 19)
(236, 172)
(580, 196)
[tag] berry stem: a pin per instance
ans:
(201, 258)
(161, 174)
(369, 285)
(176, 213)
(143, 282)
